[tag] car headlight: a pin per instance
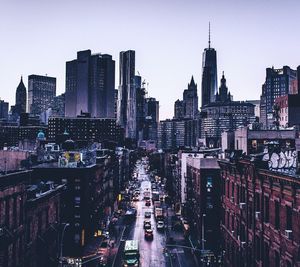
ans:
(137, 264)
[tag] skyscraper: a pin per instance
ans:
(151, 119)
(90, 85)
(209, 75)
(3, 109)
(21, 98)
(188, 107)
(41, 91)
(127, 94)
(178, 109)
(279, 82)
(190, 100)
(140, 106)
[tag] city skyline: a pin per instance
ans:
(156, 36)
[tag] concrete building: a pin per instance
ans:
(126, 116)
(21, 100)
(204, 202)
(224, 115)
(90, 85)
(289, 110)
(209, 85)
(256, 104)
(173, 134)
(255, 141)
(83, 128)
(41, 91)
(3, 110)
(178, 109)
(279, 82)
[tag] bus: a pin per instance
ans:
(131, 254)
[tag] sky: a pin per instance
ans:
(169, 36)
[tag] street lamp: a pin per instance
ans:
(61, 243)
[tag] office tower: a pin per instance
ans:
(21, 98)
(41, 91)
(175, 133)
(178, 109)
(279, 82)
(190, 100)
(140, 107)
(209, 74)
(151, 119)
(90, 85)
(3, 109)
(127, 95)
(116, 102)
(58, 106)
(224, 115)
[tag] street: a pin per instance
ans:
(154, 252)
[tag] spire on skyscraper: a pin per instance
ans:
(209, 35)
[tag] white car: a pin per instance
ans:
(160, 225)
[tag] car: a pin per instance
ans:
(135, 198)
(149, 234)
(148, 203)
(147, 224)
(103, 249)
(148, 214)
(160, 225)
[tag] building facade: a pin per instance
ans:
(209, 86)
(41, 91)
(3, 110)
(224, 114)
(21, 100)
(83, 128)
(173, 134)
(90, 85)
(289, 110)
(279, 82)
(126, 116)
(12, 218)
(260, 215)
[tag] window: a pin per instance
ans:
(257, 246)
(289, 225)
(277, 217)
(277, 259)
(257, 202)
(266, 255)
(266, 209)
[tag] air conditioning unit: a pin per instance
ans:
(288, 234)
(243, 244)
(242, 205)
(257, 215)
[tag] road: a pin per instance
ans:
(152, 253)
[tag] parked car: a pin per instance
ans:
(160, 225)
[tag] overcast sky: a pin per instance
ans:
(169, 36)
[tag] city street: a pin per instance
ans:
(154, 252)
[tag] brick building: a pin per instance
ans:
(203, 201)
(12, 218)
(43, 224)
(260, 215)
(88, 200)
